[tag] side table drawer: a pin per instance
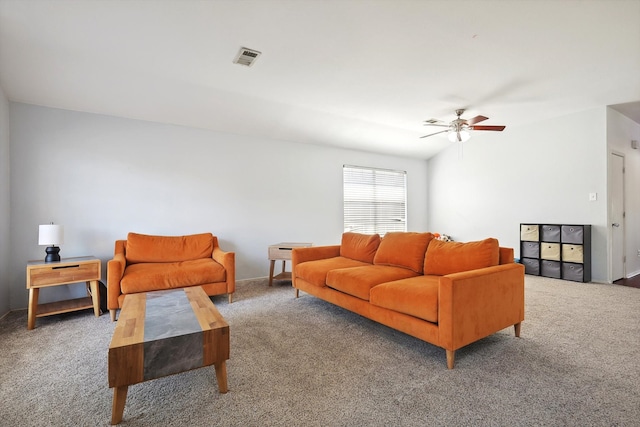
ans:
(61, 274)
(276, 252)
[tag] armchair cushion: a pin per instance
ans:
(144, 277)
(142, 248)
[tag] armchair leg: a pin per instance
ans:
(516, 327)
(113, 315)
(450, 358)
(230, 298)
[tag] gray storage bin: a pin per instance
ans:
(550, 269)
(531, 266)
(529, 232)
(572, 234)
(530, 250)
(550, 233)
(573, 272)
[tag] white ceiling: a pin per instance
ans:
(361, 74)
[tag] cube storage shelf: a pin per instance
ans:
(556, 250)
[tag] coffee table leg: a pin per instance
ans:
(221, 375)
(33, 307)
(119, 399)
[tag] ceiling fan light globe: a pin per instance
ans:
(464, 136)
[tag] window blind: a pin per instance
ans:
(375, 200)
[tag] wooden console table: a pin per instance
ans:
(42, 274)
(282, 251)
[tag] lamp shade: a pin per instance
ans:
(51, 234)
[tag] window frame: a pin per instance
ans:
(374, 199)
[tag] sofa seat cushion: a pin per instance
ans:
(145, 277)
(403, 249)
(415, 296)
(315, 272)
(358, 281)
(454, 257)
(147, 248)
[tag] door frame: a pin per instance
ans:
(609, 215)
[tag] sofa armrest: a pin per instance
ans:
(477, 303)
(312, 253)
(228, 261)
(506, 255)
(115, 271)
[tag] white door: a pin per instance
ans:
(617, 216)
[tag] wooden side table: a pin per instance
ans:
(282, 251)
(42, 274)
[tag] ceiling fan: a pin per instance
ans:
(459, 128)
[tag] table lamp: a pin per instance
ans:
(52, 235)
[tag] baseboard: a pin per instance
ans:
(632, 275)
(11, 311)
(252, 279)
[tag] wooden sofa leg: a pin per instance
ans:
(113, 315)
(230, 298)
(450, 358)
(516, 327)
(297, 292)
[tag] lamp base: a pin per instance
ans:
(53, 254)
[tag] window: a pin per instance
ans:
(375, 200)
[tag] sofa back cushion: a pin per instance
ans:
(146, 248)
(403, 249)
(454, 257)
(361, 247)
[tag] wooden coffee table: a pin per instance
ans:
(164, 333)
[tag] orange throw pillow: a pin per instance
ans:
(454, 257)
(403, 249)
(361, 247)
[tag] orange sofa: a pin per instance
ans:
(150, 263)
(449, 294)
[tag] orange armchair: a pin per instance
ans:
(144, 263)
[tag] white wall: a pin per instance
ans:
(102, 177)
(539, 173)
(5, 238)
(620, 132)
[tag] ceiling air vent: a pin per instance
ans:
(246, 57)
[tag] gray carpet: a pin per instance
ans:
(304, 362)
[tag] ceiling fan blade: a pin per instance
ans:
(437, 124)
(477, 119)
(498, 128)
(431, 134)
